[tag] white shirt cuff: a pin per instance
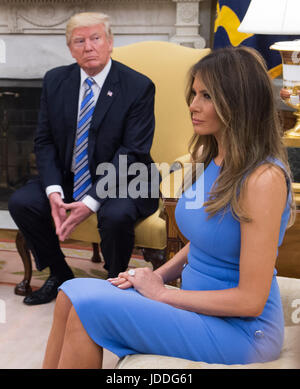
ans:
(91, 203)
(55, 188)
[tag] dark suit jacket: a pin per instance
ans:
(123, 123)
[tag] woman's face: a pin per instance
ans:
(204, 116)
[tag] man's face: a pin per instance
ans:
(91, 48)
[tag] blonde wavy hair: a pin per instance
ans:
(87, 19)
(243, 96)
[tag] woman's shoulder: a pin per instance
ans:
(269, 176)
(265, 191)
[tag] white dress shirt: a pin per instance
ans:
(99, 79)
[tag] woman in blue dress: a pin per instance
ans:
(228, 308)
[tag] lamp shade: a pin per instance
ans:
(275, 17)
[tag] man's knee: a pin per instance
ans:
(118, 216)
(16, 203)
(28, 200)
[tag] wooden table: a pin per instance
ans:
(287, 263)
(169, 188)
(291, 141)
(175, 239)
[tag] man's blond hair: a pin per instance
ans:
(87, 19)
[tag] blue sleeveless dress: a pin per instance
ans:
(125, 322)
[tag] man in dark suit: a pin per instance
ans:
(92, 112)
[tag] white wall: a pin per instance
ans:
(33, 30)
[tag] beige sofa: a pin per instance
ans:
(290, 354)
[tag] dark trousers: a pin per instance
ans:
(30, 209)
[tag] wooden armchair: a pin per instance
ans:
(167, 64)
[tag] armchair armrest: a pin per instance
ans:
(170, 189)
(180, 161)
(172, 181)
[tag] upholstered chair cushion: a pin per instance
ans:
(149, 232)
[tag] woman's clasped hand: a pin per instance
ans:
(144, 280)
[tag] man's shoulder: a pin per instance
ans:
(60, 72)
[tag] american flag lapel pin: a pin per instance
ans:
(109, 93)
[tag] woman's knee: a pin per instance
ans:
(63, 306)
(73, 324)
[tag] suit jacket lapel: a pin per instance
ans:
(107, 95)
(71, 96)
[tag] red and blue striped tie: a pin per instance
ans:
(82, 177)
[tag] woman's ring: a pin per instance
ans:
(131, 272)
